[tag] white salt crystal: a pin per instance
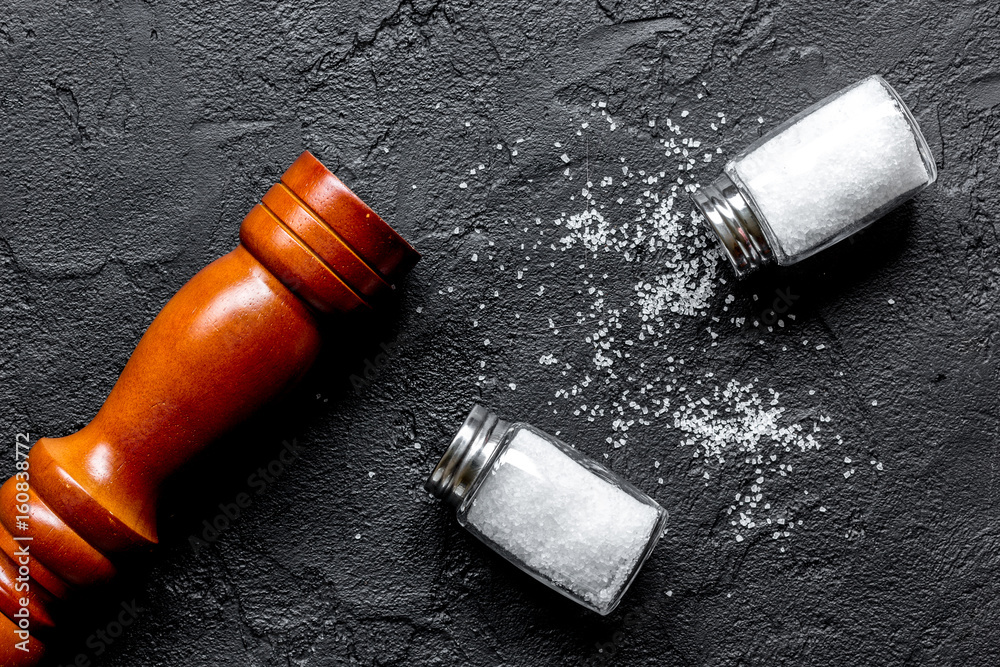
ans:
(824, 177)
(564, 157)
(577, 530)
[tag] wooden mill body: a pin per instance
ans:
(238, 334)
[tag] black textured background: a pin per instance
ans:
(137, 134)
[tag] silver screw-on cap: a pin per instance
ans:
(467, 456)
(734, 223)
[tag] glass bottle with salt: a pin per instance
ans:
(818, 177)
(567, 521)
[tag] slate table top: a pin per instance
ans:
(136, 135)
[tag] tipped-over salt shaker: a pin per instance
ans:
(567, 521)
(817, 178)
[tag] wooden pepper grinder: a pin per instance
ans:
(235, 336)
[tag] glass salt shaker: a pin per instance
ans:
(567, 521)
(817, 178)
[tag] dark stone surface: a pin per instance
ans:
(137, 135)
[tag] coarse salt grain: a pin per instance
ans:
(844, 161)
(573, 527)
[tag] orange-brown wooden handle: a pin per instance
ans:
(239, 333)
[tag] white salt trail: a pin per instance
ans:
(832, 170)
(638, 215)
(560, 519)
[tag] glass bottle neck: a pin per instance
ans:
(468, 455)
(729, 216)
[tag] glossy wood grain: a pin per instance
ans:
(238, 334)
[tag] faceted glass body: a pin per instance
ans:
(832, 169)
(562, 518)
